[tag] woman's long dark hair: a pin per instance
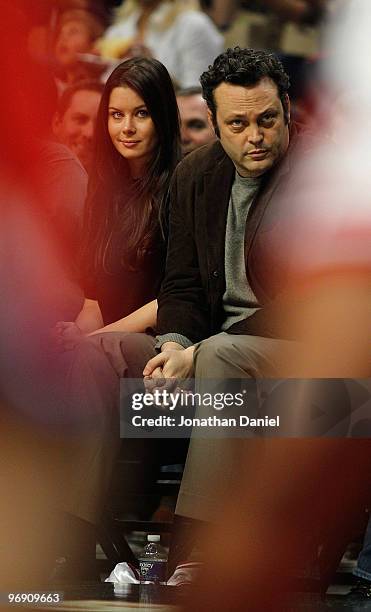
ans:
(122, 215)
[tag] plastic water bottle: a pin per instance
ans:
(153, 561)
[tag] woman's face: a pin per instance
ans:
(131, 129)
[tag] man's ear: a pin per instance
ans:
(56, 124)
(288, 109)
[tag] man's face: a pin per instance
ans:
(252, 125)
(195, 128)
(73, 38)
(76, 128)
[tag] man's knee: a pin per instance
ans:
(227, 355)
(210, 354)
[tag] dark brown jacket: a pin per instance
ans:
(190, 300)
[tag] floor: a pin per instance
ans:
(107, 597)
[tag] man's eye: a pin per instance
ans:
(196, 124)
(236, 122)
(267, 120)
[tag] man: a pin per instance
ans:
(77, 32)
(246, 92)
(227, 301)
(208, 287)
(196, 130)
(74, 121)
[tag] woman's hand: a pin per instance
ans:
(67, 335)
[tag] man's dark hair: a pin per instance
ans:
(66, 97)
(244, 67)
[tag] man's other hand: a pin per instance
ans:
(163, 370)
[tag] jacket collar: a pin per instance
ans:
(218, 180)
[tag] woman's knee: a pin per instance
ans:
(127, 352)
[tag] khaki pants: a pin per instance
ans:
(212, 466)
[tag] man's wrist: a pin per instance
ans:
(178, 339)
(172, 346)
(188, 352)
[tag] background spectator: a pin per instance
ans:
(77, 32)
(75, 118)
(195, 128)
(302, 11)
(222, 12)
(183, 38)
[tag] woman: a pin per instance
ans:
(176, 32)
(136, 150)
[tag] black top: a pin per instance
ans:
(124, 288)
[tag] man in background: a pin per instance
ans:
(76, 34)
(74, 120)
(195, 127)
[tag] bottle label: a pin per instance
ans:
(153, 571)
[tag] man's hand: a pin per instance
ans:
(170, 365)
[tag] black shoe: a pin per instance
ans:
(360, 591)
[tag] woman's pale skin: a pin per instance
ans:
(133, 135)
(90, 322)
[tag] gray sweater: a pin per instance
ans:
(239, 300)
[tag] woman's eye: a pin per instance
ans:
(143, 113)
(116, 115)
